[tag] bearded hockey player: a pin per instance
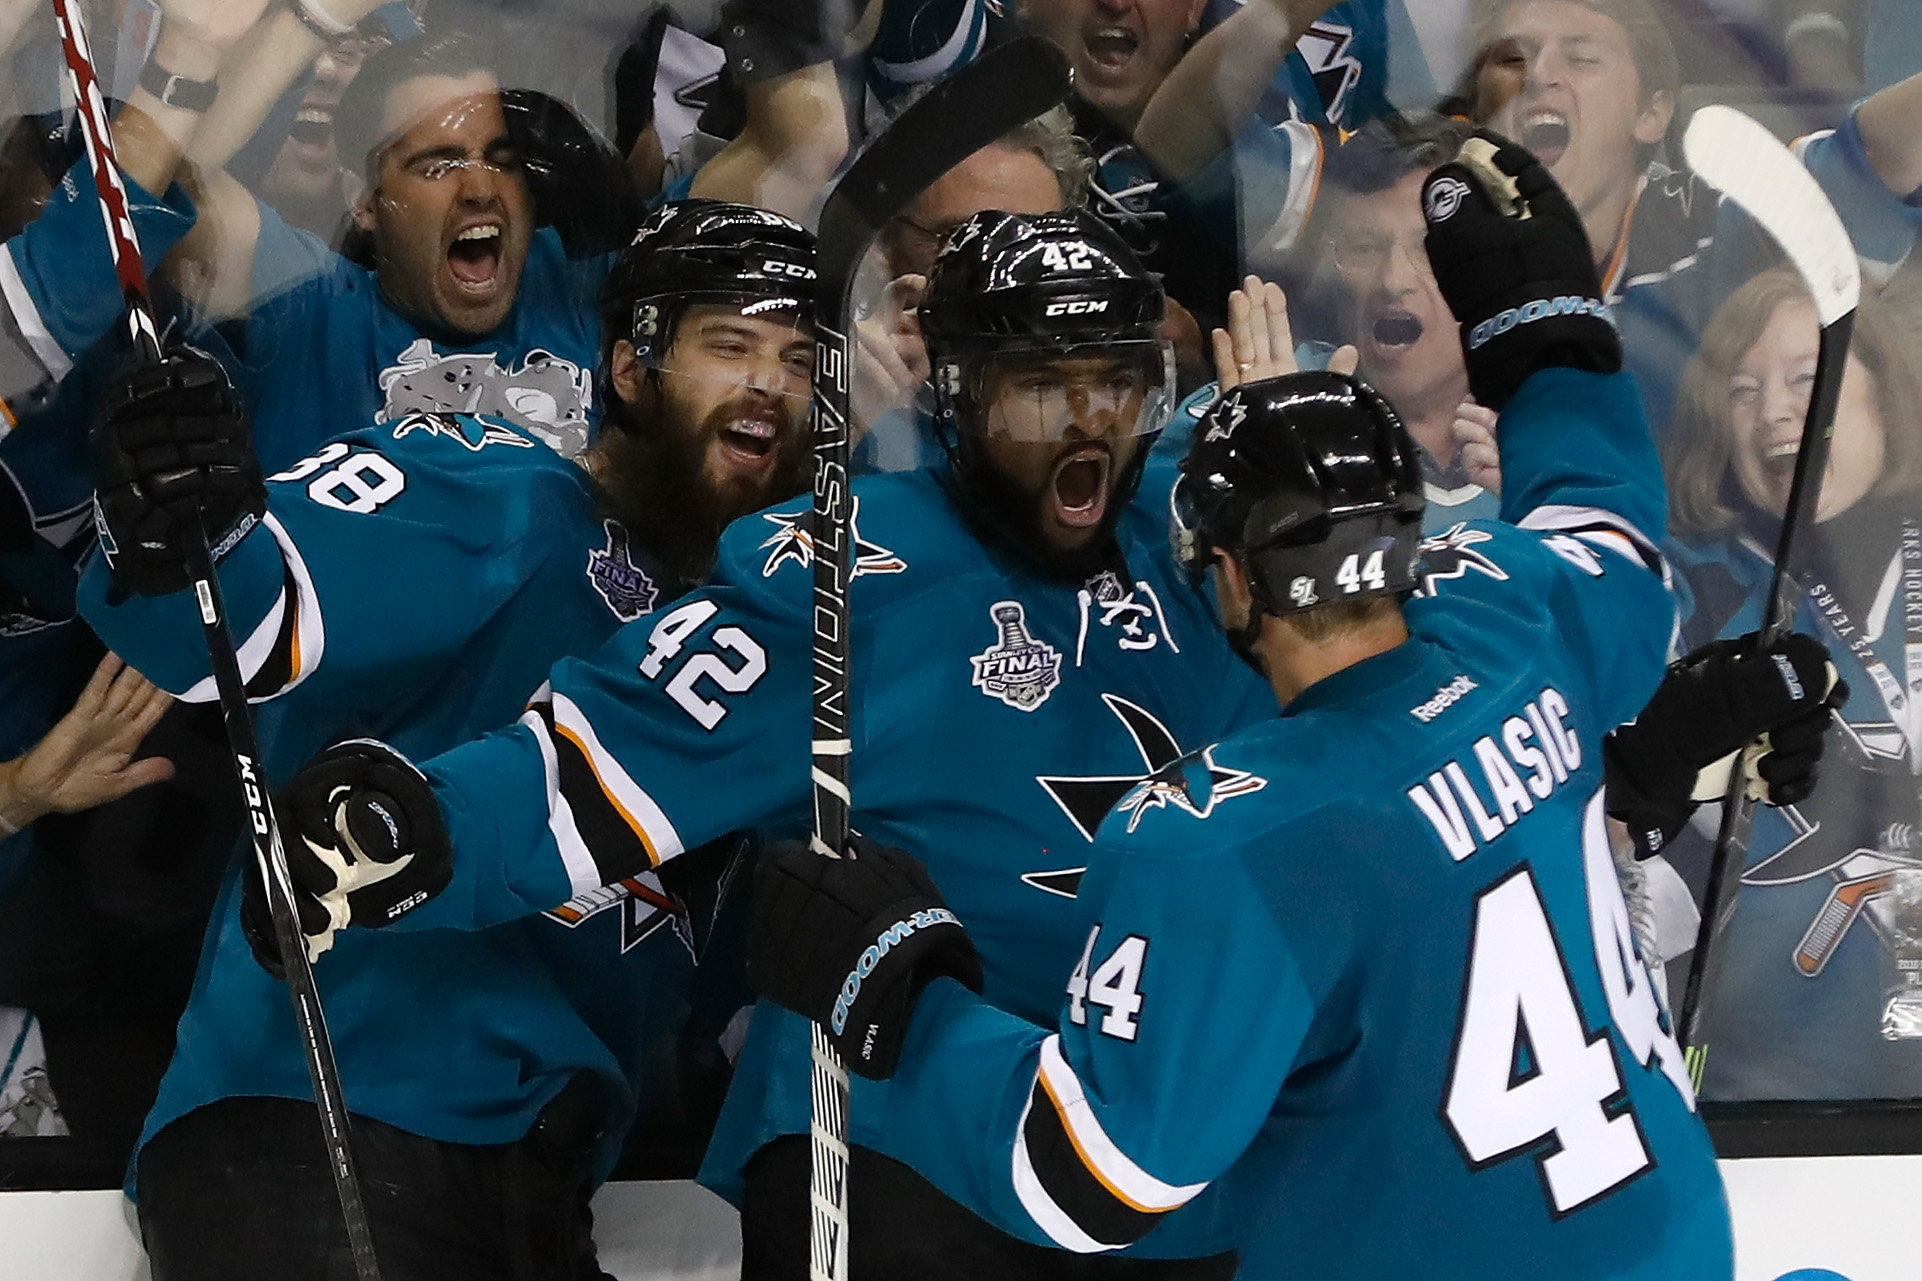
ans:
(1366, 964)
(414, 581)
(1024, 652)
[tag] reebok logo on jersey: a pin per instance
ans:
(1540, 309)
(1450, 801)
(886, 942)
(1445, 697)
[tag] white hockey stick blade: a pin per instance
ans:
(1746, 163)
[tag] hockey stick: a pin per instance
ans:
(124, 246)
(1750, 167)
(1005, 87)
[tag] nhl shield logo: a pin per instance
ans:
(625, 586)
(1017, 669)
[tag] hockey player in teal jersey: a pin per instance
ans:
(414, 581)
(1367, 964)
(1024, 652)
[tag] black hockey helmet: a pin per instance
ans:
(1014, 303)
(1312, 482)
(1008, 285)
(704, 251)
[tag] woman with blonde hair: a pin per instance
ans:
(1798, 1009)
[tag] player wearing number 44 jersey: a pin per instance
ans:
(414, 582)
(1367, 965)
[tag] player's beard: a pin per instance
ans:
(653, 479)
(1007, 511)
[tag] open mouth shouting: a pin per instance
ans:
(1080, 487)
(747, 441)
(474, 257)
(1111, 48)
(1546, 133)
(1394, 330)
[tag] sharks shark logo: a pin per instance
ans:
(475, 433)
(1232, 415)
(624, 585)
(1862, 877)
(793, 541)
(1451, 554)
(1327, 50)
(1195, 784)
(1086, 799)
(644, 906)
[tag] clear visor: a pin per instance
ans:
(749, 347)
(1108, 392)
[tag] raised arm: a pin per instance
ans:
(215, 264)
(1213, 90)
(1890, 122)
(152, 136)
(1513, 263)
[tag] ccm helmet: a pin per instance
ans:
(704, 251)
(1010, 299)
(1027, 284)
(1313, 483)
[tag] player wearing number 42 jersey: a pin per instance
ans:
(1366, 965)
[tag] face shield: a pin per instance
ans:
(1110, 391)
(760, 347)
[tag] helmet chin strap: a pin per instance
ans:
(1243, 640)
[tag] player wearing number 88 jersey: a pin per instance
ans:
(413, 582)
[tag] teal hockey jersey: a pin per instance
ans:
(996, 715)
(413, 582)
(1367, 965)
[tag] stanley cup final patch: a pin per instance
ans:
(1018, 669)
(624, 585)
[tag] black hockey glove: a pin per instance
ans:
(365, 846)
(1515, 267)
(171, 447)
(850, 943)
(1772, 706)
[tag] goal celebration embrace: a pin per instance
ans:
(1087, 639)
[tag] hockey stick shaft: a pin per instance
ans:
(1006, 86)
(263, 830)
(1738, 811)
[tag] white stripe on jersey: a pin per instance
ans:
(656, 830)
(310, 631)
(1599, 527)
(49, 353)
(1048, 1216)
(583, 877)
(1134, 1185)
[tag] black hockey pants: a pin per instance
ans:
(239, 1190)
